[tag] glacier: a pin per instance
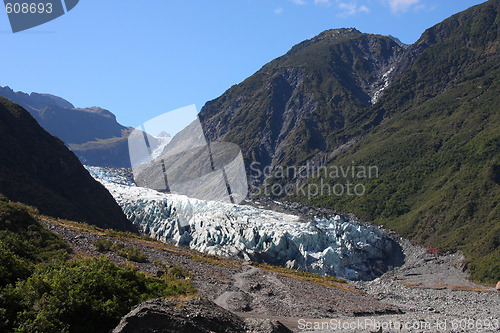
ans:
(333, 246)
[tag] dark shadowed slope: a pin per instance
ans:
(37, 169)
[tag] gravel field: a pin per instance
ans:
(433, 292)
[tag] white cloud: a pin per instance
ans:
(401, 6)
(364, 9)
(322, 2)
(348, 8)
(351, 8)
(299, 2)
(278, 10)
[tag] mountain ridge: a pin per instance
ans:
(301, 95)
(37, 169)
(92, 133)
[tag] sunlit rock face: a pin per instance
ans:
(335, 246)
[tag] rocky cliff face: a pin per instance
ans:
(305, 102)
(37, 169)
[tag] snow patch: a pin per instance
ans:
(385, 80)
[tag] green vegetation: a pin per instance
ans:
(89, 295)
(128, 252)
(437, 185)
(438, 148)
(40, 291)
(301, 82)
(177, 272)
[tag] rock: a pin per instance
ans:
(194, 315)
(256, 286)
(265, 326)
(498, 286)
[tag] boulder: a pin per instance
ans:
(197, 315)
(498, 285)
(265, 326)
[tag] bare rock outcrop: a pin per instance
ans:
(194, 315)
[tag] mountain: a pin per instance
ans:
(112, 152)
(424, 116)
(93, 134)
(37, 169)
(34, 102)
(77, 126)
(303, 104)
(438, 148)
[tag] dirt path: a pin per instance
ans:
(238, 283)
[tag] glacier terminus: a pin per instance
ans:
(334, 246)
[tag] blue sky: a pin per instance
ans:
(140, 59)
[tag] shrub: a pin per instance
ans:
(128, 252)
(103, 245)
(89, 295)
(178, 272)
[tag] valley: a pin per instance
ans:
(350, 184)
(426, 289)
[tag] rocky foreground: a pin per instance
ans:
(428, 293)
(193, 315)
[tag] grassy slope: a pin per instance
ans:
(438, 149)
(439, 180)
(24, 243)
